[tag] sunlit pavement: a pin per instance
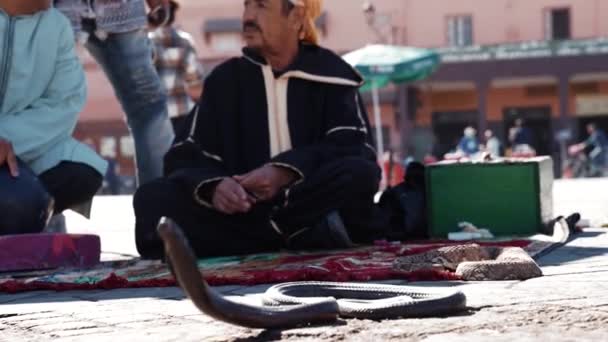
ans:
(570, 303)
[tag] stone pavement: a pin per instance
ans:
(570, 303)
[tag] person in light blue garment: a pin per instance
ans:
(113, 31)
(42, 91)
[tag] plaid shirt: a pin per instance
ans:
(176, 60)
(113, 16)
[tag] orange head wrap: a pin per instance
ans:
(312, 9)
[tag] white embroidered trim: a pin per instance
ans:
(321, 79)
(188, 140)
(346, 128)
(281, 86)
(205, 153)
(292, 168)
(212, 156)
(298, 233)
(287, 192)
(198, 198)
(252, 60)
(275, 226)
(371, 148)
(359, 114)
(312, 77)
(194, 122)
(277, 105)
(271, 104)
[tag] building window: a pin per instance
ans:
(228, 42)
(107, 147)
(127, 146)
(223, 35)
(557, 24)
(460, 30)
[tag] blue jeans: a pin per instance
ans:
(126, 59)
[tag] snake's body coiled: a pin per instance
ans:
(370, 301)
(300, 303)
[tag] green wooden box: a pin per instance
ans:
(509, 197)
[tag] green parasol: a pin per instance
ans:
(382, 64)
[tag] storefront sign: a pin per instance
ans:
(524, 50)
(592, 105)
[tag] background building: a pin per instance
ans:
(543, 60)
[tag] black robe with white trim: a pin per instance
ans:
(249, 116)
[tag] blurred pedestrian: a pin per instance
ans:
(176, 61)
(493, 146)
(112, 176)
(597, 144)
(469, 145)
(113, 33)
(522, 139)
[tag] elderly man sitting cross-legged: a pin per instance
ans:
(277, 153)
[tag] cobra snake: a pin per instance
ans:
(300, 303)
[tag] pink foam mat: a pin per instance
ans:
(46, 251)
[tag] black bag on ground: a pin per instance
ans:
(25, 204)
(404, 205)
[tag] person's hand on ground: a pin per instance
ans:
(266, 181)
(7, 156)
(230, 197)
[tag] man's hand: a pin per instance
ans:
(155, 3)
(231, 198)
(266, 181)
(7, 156)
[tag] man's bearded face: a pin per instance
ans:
(266, 25)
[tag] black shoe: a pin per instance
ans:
(572, 220)
(330, 233)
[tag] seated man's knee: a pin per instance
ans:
(25, 205)
(152, 201)
(365, 174)
(72, 184)
(89, 181)
(146, 194)
(154, 195)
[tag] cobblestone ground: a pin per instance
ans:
(570, 303)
